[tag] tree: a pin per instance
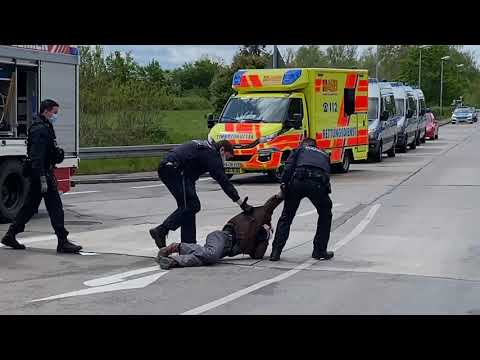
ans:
(310, 56)
(368, 60)
(342, 56)
(257, 50)
(197, 75)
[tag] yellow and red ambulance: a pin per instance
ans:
(274, 109)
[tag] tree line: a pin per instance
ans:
(117, 82)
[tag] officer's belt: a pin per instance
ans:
(305, 173)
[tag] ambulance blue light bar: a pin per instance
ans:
(291, 76)
(237, 77)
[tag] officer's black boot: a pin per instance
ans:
(325, 255)
(159, 234)
(275, 255)
(65, 246)
(10, 240)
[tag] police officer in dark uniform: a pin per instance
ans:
(307, 174)
(179, 171)
(43, 154)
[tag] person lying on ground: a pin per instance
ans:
(243, 234)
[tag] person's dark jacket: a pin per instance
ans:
(249, 236)
(305, 156)
(199, 157)
(41, 147)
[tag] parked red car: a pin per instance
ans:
(432, 126)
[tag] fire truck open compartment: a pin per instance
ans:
(18, 99)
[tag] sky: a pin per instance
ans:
(172, 56)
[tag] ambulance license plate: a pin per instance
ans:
(232, 167)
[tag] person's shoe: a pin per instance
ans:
(166, 263)
(159, 234)
(170, 249)
(275, 255)
(67, 247)
(10, 240)
(326, 255)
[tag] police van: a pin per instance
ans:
(407, 121)
(422, 119)
(382, 124)
(274, 109)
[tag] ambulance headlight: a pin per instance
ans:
(291, 76)
(267, 138)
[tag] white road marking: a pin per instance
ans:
(211, 305)
(358, 229)
(113, 283)
(81, 192)
(314, 211)
(119, 277)
(158, 185)
(87, 253)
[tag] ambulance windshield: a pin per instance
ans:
(255, 109)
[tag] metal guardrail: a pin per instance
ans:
(113, 152)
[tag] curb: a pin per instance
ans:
(114, 181)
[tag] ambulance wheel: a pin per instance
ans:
(344, 166)
(13, 189)
(276, 175)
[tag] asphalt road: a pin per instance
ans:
(404, 235)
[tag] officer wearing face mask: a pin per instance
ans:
(43, 154)
(179, 171)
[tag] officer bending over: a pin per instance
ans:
(179, 171)
(307, 174)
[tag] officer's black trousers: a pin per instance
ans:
(317, 193)
(183, 190)
(53, 204)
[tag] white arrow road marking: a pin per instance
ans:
(211, 305)
(113, 283)
(119, 277)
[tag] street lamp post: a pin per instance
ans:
(441, 83)
(458, 67)
(420, 65)
(377, 66)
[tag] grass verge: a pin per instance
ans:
(118, 166)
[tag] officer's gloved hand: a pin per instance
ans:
(44, 185)
(248, 209)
